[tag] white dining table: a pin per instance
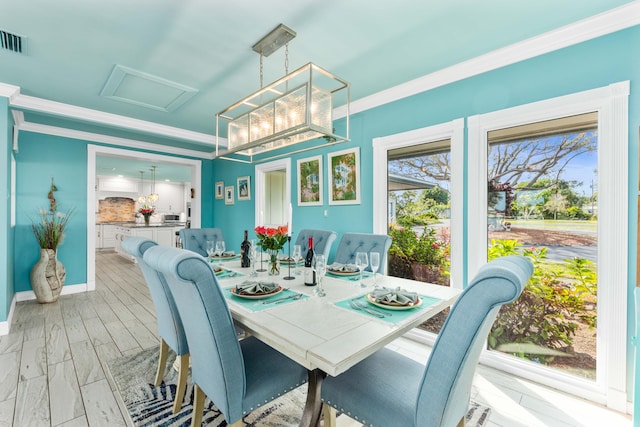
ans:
(324, 334)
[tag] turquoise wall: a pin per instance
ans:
(40, 158)
(6, 230)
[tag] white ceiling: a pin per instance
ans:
(183, 61)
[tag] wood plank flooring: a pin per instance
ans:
(53, 362)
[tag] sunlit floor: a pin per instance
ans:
(53, 363)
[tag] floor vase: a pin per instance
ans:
(47, 276)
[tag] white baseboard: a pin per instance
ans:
(5, 326)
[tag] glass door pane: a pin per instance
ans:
(542, 202)
(419, 195)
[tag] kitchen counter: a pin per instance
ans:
(164, 234)
(158, 225)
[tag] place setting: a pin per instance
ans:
(391, 305)
(259, 295)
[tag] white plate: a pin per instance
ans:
(343, 273)
(259, 296)
(371, 300)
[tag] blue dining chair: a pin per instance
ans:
(389, 389)
(170, 328)
(351, 243)
(322, 241)
(238, 376)
(195, 239)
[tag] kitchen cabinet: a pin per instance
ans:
(114, 183)
(105, 236)
(163, 235)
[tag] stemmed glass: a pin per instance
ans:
(220, 250)
(374, 259)
(321, 268)
(253, 255)
(361, 262)
(210, 249)
(297, 256)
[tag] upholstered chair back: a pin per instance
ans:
(170, 326)
(195, 239)
(351, 243)
(216, 359)
(322, 241)
(457, 349)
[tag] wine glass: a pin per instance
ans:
(374, 259)
(220, 247)
(297, 256)
(321, 268)
(361, 262)
(253, 255)
(210, 248)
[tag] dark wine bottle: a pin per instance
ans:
(309, 271)
(245, 248)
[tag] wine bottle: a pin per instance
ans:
(309, 272)
(245, 248)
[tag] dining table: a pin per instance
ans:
(327, 334)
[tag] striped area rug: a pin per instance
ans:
(150, 406)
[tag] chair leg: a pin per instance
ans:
(198, 406)
(162, 360)
(182, 382)
(462, 422)
(328, 415)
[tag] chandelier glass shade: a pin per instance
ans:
(153, 196)
(296, 108)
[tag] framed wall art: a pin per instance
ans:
(310, 181)
(344, 177)
(219, 190)
(244, 188)
(228, 195)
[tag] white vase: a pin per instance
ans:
(47, 276)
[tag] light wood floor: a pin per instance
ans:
(53, 362)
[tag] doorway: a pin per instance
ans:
(93, 151)
(273, 192)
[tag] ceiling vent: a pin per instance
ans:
(13, 42)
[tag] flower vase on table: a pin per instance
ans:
(272, 241)
(274, 264)
(146, 211)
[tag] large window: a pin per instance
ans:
(542, 202)
(550, 180)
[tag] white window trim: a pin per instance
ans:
(454, 131)
(611, 103)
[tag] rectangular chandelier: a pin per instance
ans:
(296, 108)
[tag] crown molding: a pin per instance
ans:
(9, 91)
(89, 115)
(595, 26)
(112, 140)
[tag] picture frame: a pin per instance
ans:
(343, 175)
(244, 188)
(310, 181)
(219, 189)
(228, 195)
